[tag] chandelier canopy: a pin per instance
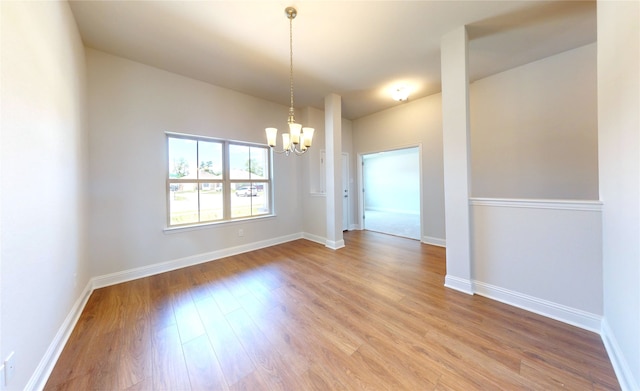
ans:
(299, 138)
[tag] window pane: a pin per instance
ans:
(249, 199)
(211, 202)
(210, 160)
(259, 163)
(239, 161)
(183, 203)
(260, 204)
(242, 194)
(182, 158)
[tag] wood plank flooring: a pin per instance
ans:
(297, 316)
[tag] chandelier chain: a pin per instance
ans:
(291, 60)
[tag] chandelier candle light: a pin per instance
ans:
(298, 140)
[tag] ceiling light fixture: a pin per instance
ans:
(401, 93)
(299, 139)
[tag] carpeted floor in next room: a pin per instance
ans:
(399, 224)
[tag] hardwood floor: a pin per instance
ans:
(297, 316)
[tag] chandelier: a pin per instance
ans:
(299, 139)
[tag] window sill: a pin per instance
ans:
(194, 227)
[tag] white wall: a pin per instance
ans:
(43, 245)
(619, 155)
(130, 107)
(409, 124)
(534, 130)
(392, 181)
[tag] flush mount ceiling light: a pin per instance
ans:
(400, 93)
(299, 139)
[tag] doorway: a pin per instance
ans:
(391, 189)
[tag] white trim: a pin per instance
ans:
(592, 205)
(620, 365)
(459, 284)
(334, 244)
(573, 316)
(434, 241)
(162, 267)
(42, 372)
(213, 224)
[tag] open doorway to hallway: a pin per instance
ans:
(391, 192)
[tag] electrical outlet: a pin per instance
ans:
(241, 232)
(9, 368)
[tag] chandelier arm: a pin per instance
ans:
(287, 151)
(300, 152)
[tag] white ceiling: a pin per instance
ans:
(357, 49)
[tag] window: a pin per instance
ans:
(213, 180)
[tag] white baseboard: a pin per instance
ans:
(620, 365)
(459, 284)
(334, 244)
(572, 316)
(40, 376)
(314, 238)
(434, 241)
(552, 310)
(150, 270)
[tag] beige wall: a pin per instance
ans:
(534, 130)
(130, 107)
(533, 141)
(312, 192)
(409, 124)
(43, 220)
(533, 134)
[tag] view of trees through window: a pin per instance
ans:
(216, 180)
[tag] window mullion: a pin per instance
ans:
(226, 177)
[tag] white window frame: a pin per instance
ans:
(226, 182)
